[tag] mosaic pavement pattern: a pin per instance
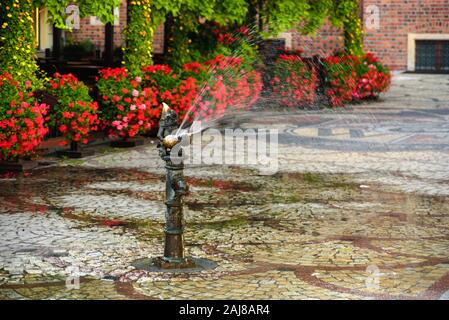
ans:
(286, 236)
(338, 221)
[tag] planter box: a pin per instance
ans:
(152, 133)
(126, 143)
(17, 166)
(74, 154)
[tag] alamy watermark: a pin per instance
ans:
(372, 17)
(372, 280)
(72, 20)
(257, 148)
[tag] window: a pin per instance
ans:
(432, 55)
(43, 30)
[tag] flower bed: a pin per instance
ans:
(206, 90)
(21, 120)
(225, 85)
(342, 79)
(294, 82)
(75, 113)
(348, 78)
(127, 109)
(352, 78)
(374, 78)
(170, 88)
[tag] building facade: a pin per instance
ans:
(408, 35)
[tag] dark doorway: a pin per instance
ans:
(432, 56)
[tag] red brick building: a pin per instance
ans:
(405, 34)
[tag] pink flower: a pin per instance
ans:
(139, 79)
(125, 119)
(142, 107)
(119, 128)
(135, 93)
(133, 107)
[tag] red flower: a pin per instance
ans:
(128, 111)
(353, 78)
(295, 82)
(75, 114)
(63, 128)
(22, 126)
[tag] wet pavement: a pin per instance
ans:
(358, 210)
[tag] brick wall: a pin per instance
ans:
(95, 33)
(158, 42)
(324, 42)
(398, 18)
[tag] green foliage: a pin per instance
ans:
(17, 42)
(283, 15)
(17, 36)
(187, 19)
(103, 9)
(309, 15)
(189, 41)
(139, 37)
(222, 11)
(346, 14)
(210, 40)
(353, 33)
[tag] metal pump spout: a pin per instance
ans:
(175, 189)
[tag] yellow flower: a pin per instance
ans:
(4, 25)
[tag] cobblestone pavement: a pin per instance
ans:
(358, 210)
(401, 141)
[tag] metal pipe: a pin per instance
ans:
(175, 189)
